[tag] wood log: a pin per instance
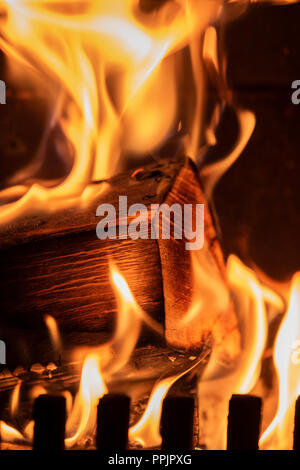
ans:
(56, 265)
(179, 285)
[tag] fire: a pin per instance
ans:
(53, 332)
(147, 430)
(211, 294)
(129, 323)
(15, 397)
(92, 387)
(106, 361)
(9, 434)
(102, 362)
(100, 365)
(105, 68)
(222, 379)
(286, 360)
(254, 303)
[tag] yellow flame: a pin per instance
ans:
(99, 365)
(278, 435)
(253, 326)
(209, 290)
(83, 415)
(36, 391)
(106, 360)
(9, 434)
(147, 430)
(221, 379)
(129, 319)
(105, 68)
(121, 285)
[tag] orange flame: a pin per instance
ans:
(105, 68)
(76, 52)
(53, 332)
(83, 415)
(15, 397)
(106, 360)
(147, 430)
(99, 366)
(220, 380)
(9, 434)
(278, 435)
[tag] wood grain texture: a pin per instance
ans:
(57, 265)
(179, 283)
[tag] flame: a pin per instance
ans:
(15, 398)
(9, 434)
(221, 379)
(36, 391)
(53, 332)
(105, 361)
(212, 173)
(83, 415)
(105, 68)
(100, 365)
(279, 433)
(254, 303)
(147, 430)
(210, 294)
(129, 321)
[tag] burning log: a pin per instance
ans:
(56, 265)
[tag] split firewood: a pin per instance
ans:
(57, 266)
(179, 275)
